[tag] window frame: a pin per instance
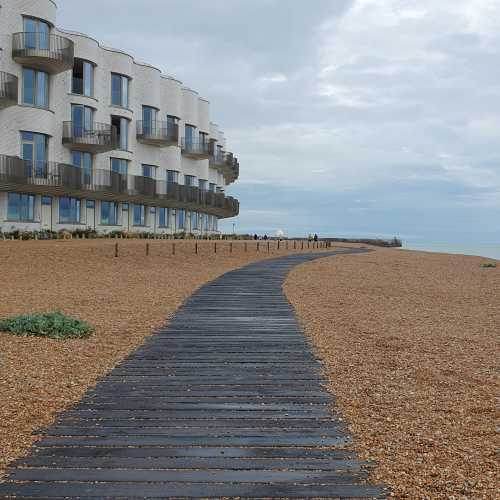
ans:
(30, 206)
(36, 88)
(77, 207)
(124, 91)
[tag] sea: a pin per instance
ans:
(490, 250)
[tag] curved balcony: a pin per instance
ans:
(50, 178)
(195, 150)
(8, 90)
(159, 134)
(96, 138)
(50, 53)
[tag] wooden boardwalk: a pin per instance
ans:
(226, 401)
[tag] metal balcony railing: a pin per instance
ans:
(51, 53)
(196, 150)
(157, 133)
(96, 137)
(51, 178)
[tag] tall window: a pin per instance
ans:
(119, 166)
(203, 137)
(20, 207)
(148, 171)
(172, 126)
(83, 120)
(190, 131)
(164, 217)
(109, 213)
(211, 187)
(189, 180)
(83, 160)
(36, 34)
(149, 118)
(182, 218)
(203, 184)
(122, 126)
(83, 78)
(69, 210)
(172, 176)
(34, 152)
(35, 88)
(119, 90)
(218, 153)
(139, 215)
(194, 220)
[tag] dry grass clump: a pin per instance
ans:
(124, 298)
(410, 344)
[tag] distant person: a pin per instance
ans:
(265, 236)
(255, 237)
(315, 237)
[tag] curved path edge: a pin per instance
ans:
(227, 400)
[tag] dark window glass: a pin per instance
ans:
(190, 130)
(212, 187)
(119, 165)
(189, 180)
(46, 200)
(90, 203)
(69, 210)
(122, 126)
(83, 78)
(148, 171)
(20, 207)
(34, 152)
(119, 90)
(35, 88)
(182, 218)
(172, 176)
(139, 215)
(109, 213)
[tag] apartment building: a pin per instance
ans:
(91, 138)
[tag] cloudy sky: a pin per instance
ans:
(350, 117)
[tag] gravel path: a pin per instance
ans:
(224, 402)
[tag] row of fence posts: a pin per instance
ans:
(315, 244)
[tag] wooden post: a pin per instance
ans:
(295, 244)
(278, 244)
(258, 245)
(246, 247)
(268, 247)
(287, 244)
(231, 247)
(196, 248)
(173, 248)
(215, 247)
(302, 245)
(147, 249)
(116, 249)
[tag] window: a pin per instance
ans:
(203, 138)
(121, 125)
(47, 201)
(212, 187)
(119, 90)
(148, 171)
(83, 120)
(69, 210)
(182, 218)
(83, 160)
(34, 151)
(172, 126)
(203, 184)
(125, 207)
(172, 176)
(190, 131)
(20, 207)
(90, 204)
(163, 216)
(35, 88)
(194, 220)
(218, 153)
(37, 34)
(83, 78)
(109, 213)
(139, 215)
(189, 180)
(205, 222)
(149, 118)
(119, 166)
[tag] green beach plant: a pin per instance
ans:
(54, 325)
